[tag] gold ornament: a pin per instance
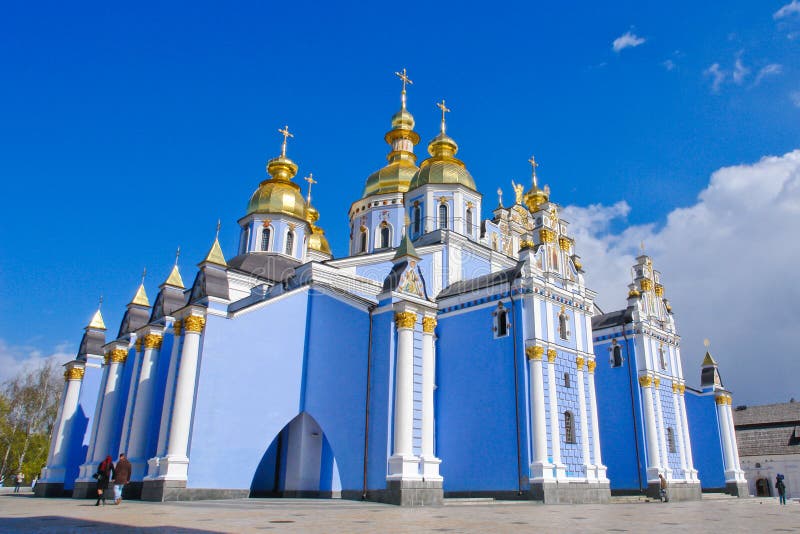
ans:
(428, 324)
(534, 352)
(177, 327)
(590, 365)
(74, 373)
(405, 319)
(645, 381)
(194, 323)
(564, 243)
(153, 341)
(551, 355)
(547, 236)
(116, 356)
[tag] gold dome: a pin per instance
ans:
(393, 178)
(279, 194)
(316, 240)
(443, 167)
(403, 120)
(535, 197)
(396, 176)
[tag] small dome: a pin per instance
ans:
(318, 242)
(403, 120)
(393, 178)
(442, 167)
(279, 194)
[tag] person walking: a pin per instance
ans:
(781, 487)
(104, 473)
(122, 475)
(18, 481)
(663, 493)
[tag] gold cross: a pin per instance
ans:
(533, 163)
(219, 223)
(144, 273)
(311, 181)
(441, 105)
(404, 76)
(100, 304)
(177, 254)
(286, 135)
(706, 342)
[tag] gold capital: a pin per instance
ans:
(646, 284)
(645, 381)
(534, 352)
(579, 362)
(116, 356)
(551, 355)
(563, 242)
(428, 324)
(74, 373)
(405, 319)
(721, 400)
(659, 290)
(682, 390)
(177, 326)
(547, 236)
(591, 364)
(138, 345)
(194, 323)
(657, 382)
(153, 341)
(676, 387)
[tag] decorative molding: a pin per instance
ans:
(657, 382)
(116, 356)
(194, 323)
(579, 363)
(74, 373)
(551, 355)
(646, 381)
(428, 324)
(646, 284)
(659, 290)
(547, 236)
(534, 352)
(564, 243)
(153, 341)
(590, 365)
(405, 319)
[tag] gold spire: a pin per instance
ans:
(406, 80)
(286, 136)
(708, 360)
(311, 181)
(140, 298)
(441, 105)
(215, 255)
(533, 163)
(97, 319)
(174, 279)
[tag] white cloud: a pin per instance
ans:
(740, 72)
(717, 76)
(773, 69)
(669, 64)
(792, 8)
(627, 40)
(795, 98)
(729, 265)
(16, 359)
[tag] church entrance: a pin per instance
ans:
(298, 463)
(763, 488)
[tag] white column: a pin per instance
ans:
(734, 446)
(154, 464)
(108, 413)
(132, 390)
(403, 464)
(662, 428)
(540, 468)
(584, 420)
(686, 435)
(429, 461)
(646, 383)
(177, 461)
(597, 456)
(679, 430)
(725, 437)
(555, 426)
(54, 472)
(87, 468)
(143, 406)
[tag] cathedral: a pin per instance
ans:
(446, 355)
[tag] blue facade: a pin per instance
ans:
(706, 445)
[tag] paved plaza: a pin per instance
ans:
(25, 513)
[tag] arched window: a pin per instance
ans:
(363, 240)
(417, 219)
(384, 235)
(266, 233)
(469, 221)
(443, 216)
(567, 381)
(290, 243)
(500, 321)
(563, 332)
(569, 428)
(616, 354)
(245, 240)
(671, 440)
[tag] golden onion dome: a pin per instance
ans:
(403, 120)
(535, 197)
(443, 167)
(396, 176)
(278, 194)
(316, 240)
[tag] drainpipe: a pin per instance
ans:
(633, 406)
(366, 405)
(516, 385)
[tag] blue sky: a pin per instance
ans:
(129, 130)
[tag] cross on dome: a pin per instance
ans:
(441, 105)
(286, 134)
(406, 80)
(311, 181)
(533, 163)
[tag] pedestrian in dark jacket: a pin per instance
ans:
(104, 473)
(122, 475)
(781, 487)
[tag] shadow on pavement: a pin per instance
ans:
(52, 523)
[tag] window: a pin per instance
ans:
(554, 257)
(671, 440)
(265, 235)
(443, 216)
(563, 332)
(616, 354)
(245, 240)
(417, 219)
(290, 243)
(569, 428)
(500, 321)
(363, 240)
(384, 235)
(567, 381)
(469, 221)
(662, 359)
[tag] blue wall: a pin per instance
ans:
(381, 399)
(81, 425)
(704, 434)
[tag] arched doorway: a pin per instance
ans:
(763, 489)
(298, 463)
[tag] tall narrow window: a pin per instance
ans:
(671, 440)
(417, 219)
(245, 240)
(384, 235)
(265, 235)
(469, 221)
(290, 243)
(363, 240)
(569, 428)
(567, 381)
(500, 321)
(616, 354)
(443, 216)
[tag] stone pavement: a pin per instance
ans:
(25, 513)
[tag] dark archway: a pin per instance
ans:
(298, 463)
(763, 489)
